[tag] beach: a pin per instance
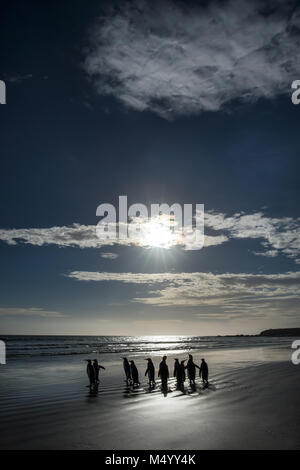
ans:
(252, 402)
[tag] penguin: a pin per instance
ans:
(204, 371)
(150, 371)
(181, 374)
(127, 371)
(97, 368)
(134, 373)
(90, 372)
(163, 373)
(176, 368)
(191, 368)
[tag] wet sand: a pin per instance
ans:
(252, 403)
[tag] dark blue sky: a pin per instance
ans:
(67, 145)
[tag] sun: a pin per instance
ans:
(157, 234)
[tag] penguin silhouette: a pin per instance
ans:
(204, 371)
(90, 372)
(97, 368)
(181, 375)
(150, 372)
(163, 373)
(191, 368)
(176, 368)
(134, 373)
(127, 370)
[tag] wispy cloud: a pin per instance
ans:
(277, 236)
(85, 236)
(76, 235)
(231, 294)
(18, 78)
(32, 311)
(176, 59)
(267, 254)
(109, 255)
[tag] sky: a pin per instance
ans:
(163, 102)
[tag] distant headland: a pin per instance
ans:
(281, 332)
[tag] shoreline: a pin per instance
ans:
(47, 405)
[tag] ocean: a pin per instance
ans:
(19, 346)
(46, 401)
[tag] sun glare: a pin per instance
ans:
(158, 234)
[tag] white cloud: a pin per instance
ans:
(109, 255)
(176, 59)
(228, 293)
(267, 254)
(276, 235)
(85, 236)
(76, 235)
(32, 311)
(130, 278)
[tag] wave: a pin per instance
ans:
(20, 346)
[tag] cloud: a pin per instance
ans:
(278, 236)
(76, 235)
(109, 255)
(89, 236)
(228, 293)
(32, 311)
(129, 278)
(267, 254)
(18, 78)
(176, 59)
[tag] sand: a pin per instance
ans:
(252, 403)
